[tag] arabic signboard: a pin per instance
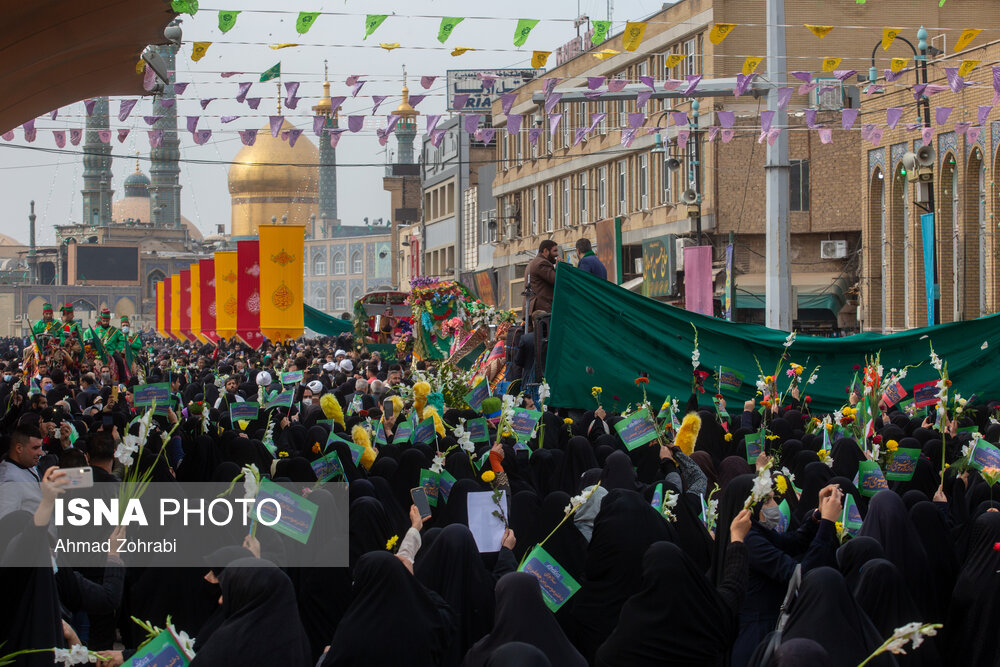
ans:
(468, 82)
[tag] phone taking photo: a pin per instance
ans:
(419, 497)
(79, 478)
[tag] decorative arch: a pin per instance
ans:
(339, 300)
(873, 252)
(339, 265)
(357, 264)
(123, 306)
(152, 278)
(896, 250)
(35, 308)
(319, 264)
(946, 236)
(971, 241)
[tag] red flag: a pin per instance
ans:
(186, 304)
(167, 294)
(248, 293)
(207, 287)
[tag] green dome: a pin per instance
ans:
(137, 185)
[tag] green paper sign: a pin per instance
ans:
(786, 517)
(402, 434)
(185, 6)
(372, 22)
(162, 651)
(870, 478)
(556, 583)
(272, 72)
(146, 395)
(245, 411)
(851, 518)
(478, 394)
(227, 19)
(291, 377)
(305, 21)
(754, 444)
(985, 455)
(636, 430)
(479, 430)
(730, 379)
(481, 463)
(664, 412)
(902, 464)
(448, 24)
(424, 434)
(327, 467)
(334, 437)
(380, 435)
(297, 514)
(281, 400)
(523, 29)
(445, 482)
(523, 423)
(600, 31)
(431, 481)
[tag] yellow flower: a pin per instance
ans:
(595, 391)
(892, 445)
(840, 529)
(567, 420)
(729, 437)
(797, 368)
(773, 437)
(391, 543)
(781, 484)
(282, 455)
(506, 433)
(488, 476)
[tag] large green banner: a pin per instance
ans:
(603, 335)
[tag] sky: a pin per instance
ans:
(54, 180)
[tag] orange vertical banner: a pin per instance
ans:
(225, 294)
(175, 308)
(196, 302)
(161, 320)
(281, 256)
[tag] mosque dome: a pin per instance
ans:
(135, 206)
(9, 241)
(273, 179)
(137, 185)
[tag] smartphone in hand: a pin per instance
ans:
(79, 478)
(419, 497)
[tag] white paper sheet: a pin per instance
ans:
(486, 528)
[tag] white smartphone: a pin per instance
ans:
(79, 478)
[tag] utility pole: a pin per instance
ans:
(778, 277)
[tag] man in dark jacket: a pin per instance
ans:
(590, 262)
(541, 275)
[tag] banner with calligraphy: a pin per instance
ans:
(175, 307)
(206, 284)
(225, 294)
(281, 314)
(248, 293)
(161, 313)
(196, 302)
(185, 312)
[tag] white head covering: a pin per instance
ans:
(347, 365)
(329, 367)
(339, 353)
(315, 386)
(263, 379)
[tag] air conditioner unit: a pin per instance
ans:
(509, 211)
(512, 230)
(828, 95)
(638, 265)
(679, 245)
(832, 249)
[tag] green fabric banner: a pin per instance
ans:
(603, 335)
(372, 22)
(305, 21)
(326, 325)
(523, 29)
(272, 72)
(600, 31)
(227, 19)
(448, 24)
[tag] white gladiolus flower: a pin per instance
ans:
(251, 481)
(125, 452)
(875, 452)
(913, 633)
(695, 356)
(78, 655)
(791, 339)
(936, 361)
(577, 501)
(985, 345)
(761, 386)
(186, 642)
(438, 464)
(543, 392)
(788, 475)
(812, 378)
(164, 437)
(465, 442)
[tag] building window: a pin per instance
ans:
(644, 182)
(564, 204)
(602, 192)
(668, 180)
(622, 187)
(602, 108)
(518, 149)
(356, 263)
(582, 183)
(339, 265)
(339, 301)
(565, 125)
(533, 211)
(504, 147)
(549, 203)
(319, 301)
(798, 178)
(355, 296)
(319, 265)
(692, 63)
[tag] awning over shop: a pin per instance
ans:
(819, 291)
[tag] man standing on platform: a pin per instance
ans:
(589, 261)
(541, 275)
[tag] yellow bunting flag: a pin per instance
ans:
(140, 67)
(897, 64)
(720, 31)
(538, 58)
(888, 37)
(175, 307)
(965, 69)
(459, 50)
(820, 31)
(283, 45)
(674, 59)
(161, 311)
(632, 36)
(281, 260)
(966, 38)
(830, 64)
(389, 46)
(750, 64)
(604, 54)
(198, 50)
(196, 302)
(225, 294)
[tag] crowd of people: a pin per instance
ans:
(720, 577)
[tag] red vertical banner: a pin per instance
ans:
(167, 294)
(186, 304)
(207, 287)
(248, 293)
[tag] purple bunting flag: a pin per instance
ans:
(60, 137)
(671, 84)
(941, 114)
(514, 123)
(228, 119)
(291, 136)
(53, 114)
(616, 85)
(533, 134)
(248, 137)
(155, 137)
(579, 135)
(956, 82)
(148, 78)
(628, 136)
(89, 106)
(244, 89)
(471, 122)
(682, 137)
(892, 116)
(488, 80)
(844, 74)
(847, 118)
(168, 102)
(891, 76)
(460, 101)
(179, 88)
(692, 82)
(726, 118)
(202, 136)
(927, 136)
(727, 135)
(75, 135)
(104, 136)
(595, 120)
(437, 136)
(291, 88)
(713, 132)
(595, 82)
(253, 102)
(378, 99)
(984, 113)
(642, 97)
(352, 80)
(335, 136)
(972, 136)
(507, 101)
(593, 94)
(784, 95)
(427, 81)
(743, 82)
(649, 81)
(679, 118)
(192, 123)
(205, 102)
(550, 84)
(635, 120)
(551, 101)
(810, 115)
(151, 120)
(122, 134)
(432, 121)
(416, 99)
(356, 88)
(276, 122)
(292, 102)
(485, 134)
(825, 135)
(962, 127)
(996, 85)
(355, 123)
(318, 122)
(554, 123)
(335, 103)
(125, 109)
(766, 117)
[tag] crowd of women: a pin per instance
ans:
(709, 583)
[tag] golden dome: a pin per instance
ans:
(404, 109)
(272, 179)
(7, 240)
(137, 208)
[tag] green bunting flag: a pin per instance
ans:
(185, 6)
(272, 72)
(600, 31)
(227, 19)
(305, 21)
(372, 22)
(522, 30)
(448, 24)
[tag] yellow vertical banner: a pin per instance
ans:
(161, 314)
(225, 294)
(281, 257)
(175, 307)
(196, 302)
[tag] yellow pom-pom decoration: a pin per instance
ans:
(360, 436)
(420, 391)
(688, 433)
(729, 437)
(781, 484)
(397, 406)
(431, 411)
(331, 408)
(488, 476)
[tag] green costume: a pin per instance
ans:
(41, 327)
(65, 329)
(111, 337)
